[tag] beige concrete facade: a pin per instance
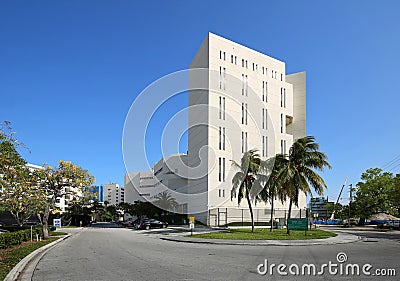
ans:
(246, 101)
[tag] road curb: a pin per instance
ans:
(326, 241)
(21, 270)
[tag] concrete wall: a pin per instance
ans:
(298, 127)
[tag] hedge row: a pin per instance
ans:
(10, 239)
(13, 228)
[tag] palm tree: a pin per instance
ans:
(297, 171)
(244, 179)
(271, 189)
(165, 201)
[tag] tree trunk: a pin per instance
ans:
(16, 216)
(272, 213)
(46, 218)
(45, 222)
(361, 221)
(250, 208)
(288, 217)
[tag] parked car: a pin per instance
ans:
(157, 224)
(149, 223)
(3, 231)
(2, 224)
(142, 224)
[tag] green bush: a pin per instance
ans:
(13, 228)
(10, 239)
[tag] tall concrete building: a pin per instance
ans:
(113, 193)
(240, 100)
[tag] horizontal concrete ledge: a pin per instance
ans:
(19, 270)
(339, 239)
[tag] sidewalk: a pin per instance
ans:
(341, 238)
(365, 228)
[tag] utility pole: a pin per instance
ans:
(351, 198)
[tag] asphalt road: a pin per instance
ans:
(123, 254)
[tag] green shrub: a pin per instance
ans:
(10, 239)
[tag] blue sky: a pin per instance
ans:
(69, 71)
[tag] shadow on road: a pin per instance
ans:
(105, 225)
(157, 231)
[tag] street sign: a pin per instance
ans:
(191, 225)
(57, 222)
(191, 219)
(297, 224)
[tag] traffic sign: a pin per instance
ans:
(57, 222)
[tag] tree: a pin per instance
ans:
(165, 201)
(10, 159)
(65, 180)
(18, 194)
(271, 189)
(111, 212)
(296, 173)
(394, 196)
(376, 193)
(143, 209)
(9, 156)
(125, 207)
(329, 209)
(96, 207)
(245, 178)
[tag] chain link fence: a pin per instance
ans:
(241, 217)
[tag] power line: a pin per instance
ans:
(395, 167)
(390, 163)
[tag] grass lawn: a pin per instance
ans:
(10, 257)
(265, 234)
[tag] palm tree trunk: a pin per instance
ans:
(288, 217)
(250, 208)
(272, 213)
